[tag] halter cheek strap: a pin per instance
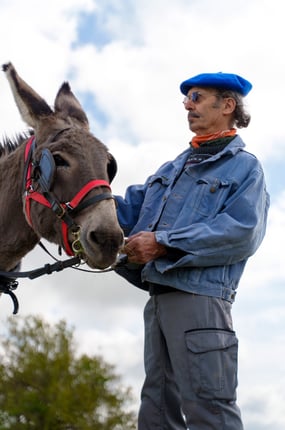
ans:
(75, 207)
(62, 210)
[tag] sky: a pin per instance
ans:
(125, 60)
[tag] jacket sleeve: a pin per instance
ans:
(232, 235)
(128, 207)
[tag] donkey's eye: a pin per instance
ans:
(59, 161)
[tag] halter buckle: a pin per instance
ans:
(58, 209)
(76, 244)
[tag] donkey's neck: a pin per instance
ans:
(17, 237)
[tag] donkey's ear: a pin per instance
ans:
(31, 106)
(111, 167)
(67, 106)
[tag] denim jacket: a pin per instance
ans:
(211, 216)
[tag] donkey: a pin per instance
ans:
(55, 183)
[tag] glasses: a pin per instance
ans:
(195, 97)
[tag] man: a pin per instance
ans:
(191, 228)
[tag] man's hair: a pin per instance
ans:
(241, 118)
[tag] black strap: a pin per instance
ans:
(58, 209)
(91, 201)
(8, 282)
(7, 286)
(47, 269)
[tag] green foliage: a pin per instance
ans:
(44, 385)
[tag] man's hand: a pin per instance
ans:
(143, 247)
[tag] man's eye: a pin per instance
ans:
(195, 97)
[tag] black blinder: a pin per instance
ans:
(112, 167)
(45, 170)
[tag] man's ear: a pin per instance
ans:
(229, 105)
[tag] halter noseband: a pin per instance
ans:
(65, 211)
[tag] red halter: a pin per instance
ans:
(62, 210)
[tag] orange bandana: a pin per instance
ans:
(197, 140)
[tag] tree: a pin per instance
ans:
(45, 386)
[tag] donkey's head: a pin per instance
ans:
(67, 197)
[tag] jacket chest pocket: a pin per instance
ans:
(211, 195)
(157, 186)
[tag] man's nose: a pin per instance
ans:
(188, 103)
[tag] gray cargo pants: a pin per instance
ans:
(190, 364)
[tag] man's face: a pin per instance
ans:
(208, 112)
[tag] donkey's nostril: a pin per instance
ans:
(96, 238)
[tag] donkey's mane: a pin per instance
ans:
(10, 144)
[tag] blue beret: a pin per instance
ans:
(227, 81)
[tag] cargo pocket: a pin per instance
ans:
(212, 357)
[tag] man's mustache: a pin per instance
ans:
(193, 115)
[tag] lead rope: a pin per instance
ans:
(8, 282)
(109, 269)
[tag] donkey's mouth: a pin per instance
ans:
(100, 263)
